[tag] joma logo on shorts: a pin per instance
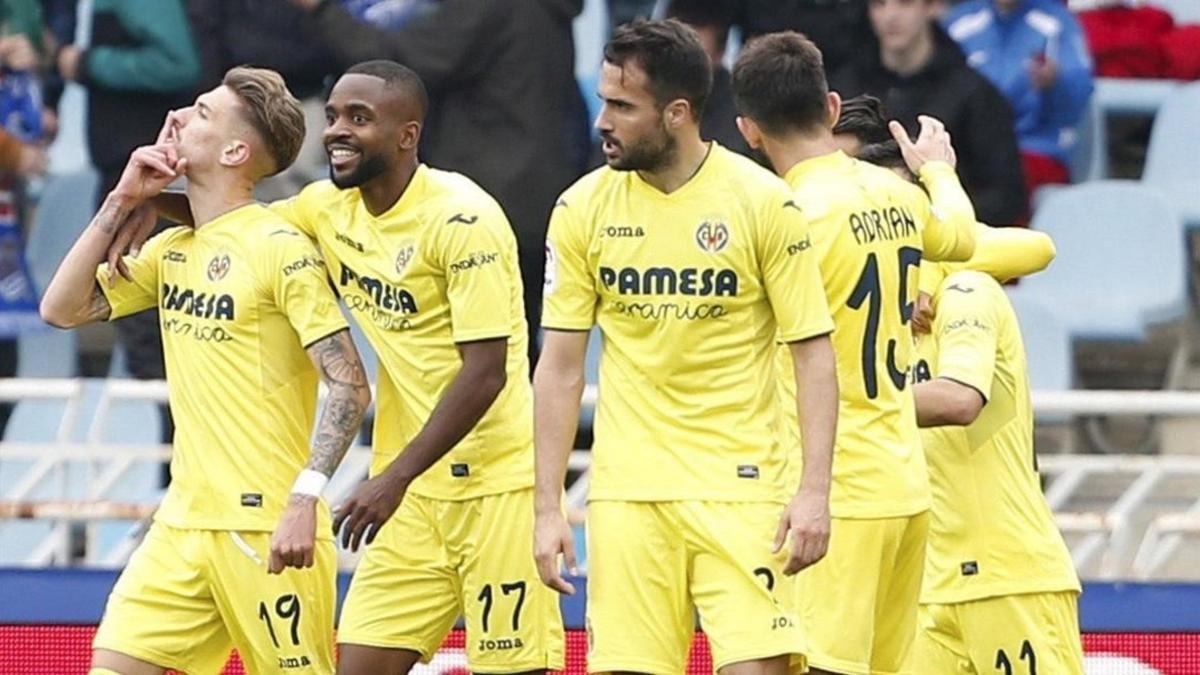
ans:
(500, 644)
(294, 662)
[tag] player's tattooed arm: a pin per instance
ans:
(342, 371)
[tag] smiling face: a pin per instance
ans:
(633, 132)
(366, 124)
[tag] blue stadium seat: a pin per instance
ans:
(1089, 157)
(1120, 259)
(65, 206)
(1183, 11)
(1173, 158)
(1047, 343)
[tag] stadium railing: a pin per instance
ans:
(1123, 516)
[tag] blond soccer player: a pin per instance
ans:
(240, 552)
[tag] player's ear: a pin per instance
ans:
(410, 135)
(833, 107)
(750, 131)
(235, 153)
(677, 113)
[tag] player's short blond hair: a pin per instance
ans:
(272, 111)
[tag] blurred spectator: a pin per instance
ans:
(838, 27)
(623, 11)
(140, 64)
(22, 52)
(711, 20)
(506, 109)
(264, 33)
(1034, 52)
(916, 69)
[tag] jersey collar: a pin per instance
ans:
(834, 161)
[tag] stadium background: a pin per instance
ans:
(1111, 331)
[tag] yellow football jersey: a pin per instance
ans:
(436, 269)
(690, 290)
(870, 230)
(992, 532)
(239, 300)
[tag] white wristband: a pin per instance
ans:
(310, 483)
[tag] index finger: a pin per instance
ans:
(900, 134)
(167, 133)
(934, 123)
(551, 577)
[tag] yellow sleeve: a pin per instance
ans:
(569, 294)
(296, 276)
(949, 233)
(1002, 253)
(141, 293)
(478, 260)
(301, 210)
(966, 328)
(792, 273)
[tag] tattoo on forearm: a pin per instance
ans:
(343, 373)
(110, 216)
(97, 308)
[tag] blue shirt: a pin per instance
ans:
(1002, 47)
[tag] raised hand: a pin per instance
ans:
(932, 144)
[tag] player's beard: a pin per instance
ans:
(368, 167)
(648, 153)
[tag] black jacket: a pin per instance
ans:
(506, 109)
(140, 64)
(978, 117)
(260, 33)
(838, 27)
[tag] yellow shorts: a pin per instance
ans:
(651, 563)
(1011, 635)
(189, 596)
(858, 605)
(436, 560)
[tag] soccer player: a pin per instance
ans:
(870, 231)
(426, 262)
(249, 327)
(863, 131)
(1000, 591)
(693, 261)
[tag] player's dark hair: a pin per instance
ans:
(779, 82)
(865, 118)
(671, 56)
(396, 76)
(885, 154)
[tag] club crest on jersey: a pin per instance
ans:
(218, 267)
(407, 252)
(712, 237)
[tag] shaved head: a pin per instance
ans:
(400, 81)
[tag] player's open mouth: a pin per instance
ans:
(341, 156)
(610, 147)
